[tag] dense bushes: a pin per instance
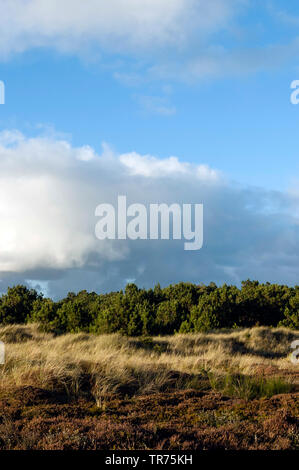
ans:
(181, 308)
(17, 305)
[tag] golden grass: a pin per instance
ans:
(111, 363)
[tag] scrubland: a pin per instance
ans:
(226, 389)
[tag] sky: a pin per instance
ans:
(183, 101)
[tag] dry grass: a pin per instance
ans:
(222, 390)
(112, 364)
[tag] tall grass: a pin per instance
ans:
(78, 364)
(249, 388)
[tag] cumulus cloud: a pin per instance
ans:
(48, 194)
(147, 165)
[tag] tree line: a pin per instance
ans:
(179, 308)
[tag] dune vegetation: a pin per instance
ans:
(221, 389)
(179, 308)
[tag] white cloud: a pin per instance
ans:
(168, 39)
(49, 191)
(149, 166)
(38, 198)
(48, 194)
(114, 25)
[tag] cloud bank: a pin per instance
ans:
(49, 191)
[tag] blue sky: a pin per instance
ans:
(207, 83)
(241, 123)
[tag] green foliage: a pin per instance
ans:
(16, 306)
(44, 312)
(291, 313)
(169, 316)
(218, 309)
(249, 388)
(183, 308)
(77, 312)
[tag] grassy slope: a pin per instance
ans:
(229, 389)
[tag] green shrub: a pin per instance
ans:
(183, 308)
